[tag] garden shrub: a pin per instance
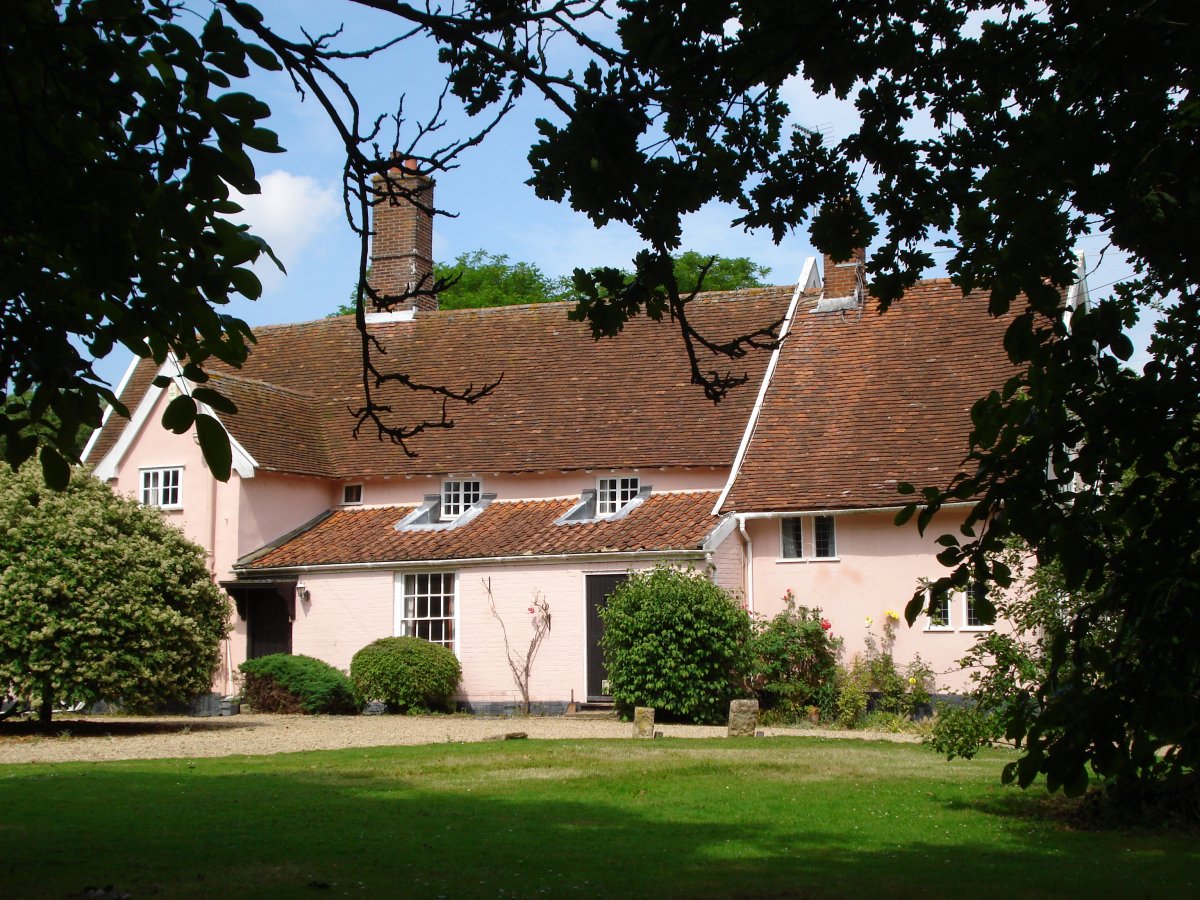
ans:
(288, 684)
(873, 684)
(677, 642)
(794, 663)
(407, 673)
(963, 730)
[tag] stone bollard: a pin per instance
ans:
(643, 721)
(743, 718)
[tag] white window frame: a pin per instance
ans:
(796, 523)
(930, 623)
(459, 495)
(806, 526)
(348, 499)
(966, 608)
(153, 489)
(614, 492)
(406, 621)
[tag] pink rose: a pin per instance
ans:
(825, 624)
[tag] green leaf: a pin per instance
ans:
(216, 400)
(214, 444)
(179, 414)
(55, 469)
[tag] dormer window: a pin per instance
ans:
(614, 493)
(352, 494)
(457, 497)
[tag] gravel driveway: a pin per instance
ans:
(95, 738)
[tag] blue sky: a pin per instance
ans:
(300, 210)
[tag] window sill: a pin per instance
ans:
(809, 559)
(940, 629)
(976, 628)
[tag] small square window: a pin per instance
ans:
(352, 493)
(162, 487)
(792, 539)
(457, 497)
(824, 539)
(939, 611)
(613, 493)
(972, 618)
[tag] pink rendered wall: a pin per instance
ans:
(386, 491)
(272, 505)
(348, 610)
(877, 569)
(729, 559)
(155, 447)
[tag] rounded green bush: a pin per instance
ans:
(406, 673)
(677, 642)
(285, 683)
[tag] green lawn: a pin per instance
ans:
(668, 818)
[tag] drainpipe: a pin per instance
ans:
(748, 573)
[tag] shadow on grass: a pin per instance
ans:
(379, 823)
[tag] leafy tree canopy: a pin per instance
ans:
(100, 598)
(123, 139)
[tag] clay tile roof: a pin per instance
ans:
(565, 401)
(110, 432)
(857, 405)
(667, 521)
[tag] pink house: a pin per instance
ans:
(590, 460)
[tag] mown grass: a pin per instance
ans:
(668, 818)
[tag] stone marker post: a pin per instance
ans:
(743, 718)
(643, 721)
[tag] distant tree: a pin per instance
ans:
(720, 273)
(100, 598)
(479, 279)
(490, 279)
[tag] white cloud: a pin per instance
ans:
(290, 214)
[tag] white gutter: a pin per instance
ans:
(624, 555)
(748, 565)
(806, 276)
(792, 513)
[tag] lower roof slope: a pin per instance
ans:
(663, 522)
(857, 405)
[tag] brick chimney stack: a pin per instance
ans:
(402, 236)
(841, 278)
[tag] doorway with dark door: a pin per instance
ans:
(599, 587)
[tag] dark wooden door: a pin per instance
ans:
(598, 589)
(268, 625)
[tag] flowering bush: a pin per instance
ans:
(794, 663)
(873, 682)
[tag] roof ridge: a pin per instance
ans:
(258, 382)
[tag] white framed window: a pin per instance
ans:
(614, 493)
(791, 538)
(808, 537)
(824, 537)
(972, 620)
(352, 494)
(458, 496)
(938, 611)
(425, 606)
(162, 487)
